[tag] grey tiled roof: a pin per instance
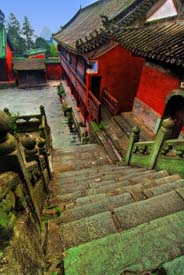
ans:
(31, 64)
(162, 42)
(88, 19)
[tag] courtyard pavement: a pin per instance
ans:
(27, 101)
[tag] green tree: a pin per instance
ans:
(42, 43)
(14, 33)
(28, 33)
(53, 50)
(2, 18)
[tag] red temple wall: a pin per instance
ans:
(54, 71)
(9, 57)
(42, 55)
(120, 73)
(154, 87)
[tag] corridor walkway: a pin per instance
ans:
(27, 101)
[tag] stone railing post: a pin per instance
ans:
(42, 111)
(164, 133)
(30, 150)
(32, 154)
(11, 160)
(43, 152)
(134, 137)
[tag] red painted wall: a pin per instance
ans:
(154, 87)
(42, 55)
(120, 73)
(53, 71)
(9, 57)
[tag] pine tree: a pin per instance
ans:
(14, 33)
(28, 33)
(2, 17)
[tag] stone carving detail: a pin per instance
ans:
(7, 141)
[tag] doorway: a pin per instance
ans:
(95, 85)
(175, 110)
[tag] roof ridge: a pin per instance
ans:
(77, 13)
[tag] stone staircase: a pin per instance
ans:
(116, 130)
(115, 219)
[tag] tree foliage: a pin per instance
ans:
(28, 33)
(42, 43)
(14, 33)
(2, 17)
(53, 50)
(23, 37)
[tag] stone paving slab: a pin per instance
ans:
(92, 170)
(143, 248)
(164, 188)
(107, 204)
(174, 267)
(144, 211)
(99, 176)
(87, 229)
(28, 101)
(85, 183)
(64, 161)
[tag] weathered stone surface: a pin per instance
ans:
(174, 267)
(144, 211)
(139, 249)
(97, 207)
(24, 255)
(87, 229)
(65, 161)
(164, 188)
(54, 245)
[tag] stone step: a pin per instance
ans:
(64, 159)
(102, 178)
(108, 179)
(119, 188)
(132, 120)
(164, 188)
(94, 203)
(76, 149)
(173, 267)
(137, 213)
(91, 171)
(102, 139)
(106, 204)
(123, 125)
(145, 247)
(87, 229)
(122, 218)
(116, 188)
(117, 137)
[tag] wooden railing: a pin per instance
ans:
(74, 78)
(94, 106)
(162, 153)
(110, 102)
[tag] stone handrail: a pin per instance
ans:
(163, 153)
(24, 177)
(33, 123)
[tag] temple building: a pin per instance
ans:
(161, 88)
(99, 71)
(29, 72)
(6, 56)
